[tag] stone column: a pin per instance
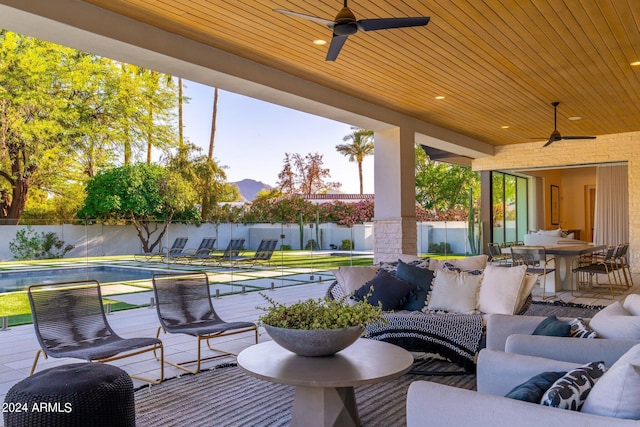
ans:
(395, 230)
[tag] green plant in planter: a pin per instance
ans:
(320, 313)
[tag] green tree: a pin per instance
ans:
(34, 109)
(205, 176)
(442, 187)
(361, 146)
(149, 196)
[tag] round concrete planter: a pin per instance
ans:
(314, 342)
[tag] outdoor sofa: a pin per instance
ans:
(498, 373)
(514, 355)
(446, 315)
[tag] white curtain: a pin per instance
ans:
(611, 222)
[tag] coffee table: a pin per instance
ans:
(324, 394)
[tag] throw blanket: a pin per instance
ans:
(455, 337)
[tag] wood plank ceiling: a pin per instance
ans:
(497, 62)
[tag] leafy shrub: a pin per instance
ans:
(285, 247)
(311, 245)
(29, 244)
(346, 245)
(440, 248)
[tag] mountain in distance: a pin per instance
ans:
(250, 188)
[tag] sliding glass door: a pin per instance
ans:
(509, 207)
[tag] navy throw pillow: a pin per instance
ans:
(553, 327)
(421, 278)
(534, 388)
(387, 289)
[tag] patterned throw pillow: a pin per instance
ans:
(392, 266)
(570, 391)
(450, 267)
(580, 330)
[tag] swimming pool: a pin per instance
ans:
(21, 280)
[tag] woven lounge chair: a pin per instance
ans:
(183, 304)
(200, 255)
(165, 254)
(263, 253)
(69, 321)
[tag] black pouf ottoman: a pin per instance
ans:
(79, 394)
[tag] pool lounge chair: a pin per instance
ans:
(200, 255)
(232, 251)
(263, 253)
(165, 254)
(69, 321)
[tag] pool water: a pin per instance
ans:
(21, 280)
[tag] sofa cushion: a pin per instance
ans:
(632, 304)
(534, 388)
(454, 292)
(352, 278)
(615, 322)
(421, 278)
(616, 393)
(500, 289)
(552, 327)
(570, 391)
(387, 290)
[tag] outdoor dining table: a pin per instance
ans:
(565, 256)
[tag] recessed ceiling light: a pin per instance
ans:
(320, 42)
(635, 63)
(504, 127)
(574, 118)
(440, 97)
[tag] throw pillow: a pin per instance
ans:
(616, 393)
(530, 281)
(534, 388)
(500, 289)
(552, 327)
(352, 278)
(632, 304)
(388, 291)
(615, 322)
(579, 329)
(454, 292)
(421, 278)
(571, 391)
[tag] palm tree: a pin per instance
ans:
(361, 145)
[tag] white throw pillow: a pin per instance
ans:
(632, 304)
(616, 393)
(477, 262)
(551, 233)
(530, 281)
(352, 278)
(615, 322)
(500, 289)
(454, 292)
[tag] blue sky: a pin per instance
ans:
(253, 136)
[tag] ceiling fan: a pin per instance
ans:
(555, 135)
(345, 25)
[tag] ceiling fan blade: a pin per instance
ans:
(388, 23)
(549, 142)
(336, 45)
(578, 137)
(328, 22)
